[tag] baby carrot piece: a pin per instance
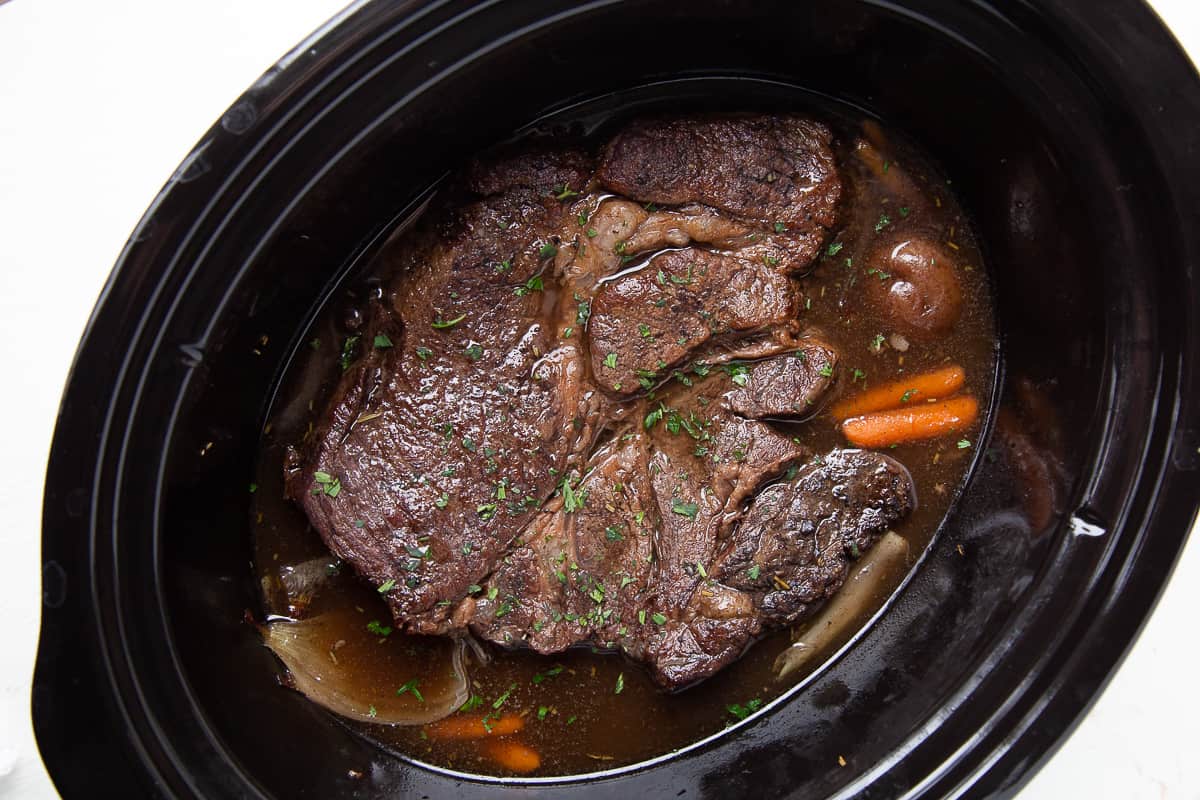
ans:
(899, 425)
(514, 756)
(903, 392)
(472, 727)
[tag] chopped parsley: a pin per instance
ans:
(826, 371)
(474, 351)
(386, 586)
(738, 373)
(658, 618)
(548, 250)
(382, 341)
(534, 284)
(424, 353)
(740, 711)
(610, 361)
(684, 509)
(753, 572)
(620, 683)
(327, 484)
(654, 416)
(833, 249)
(613, 533)
(375, 627)
(550, 673)
(473, 702)
(572, 501)
(963, 444)
(908, 395)
(499, 701)
(884, 221)
(442, 324)
(348, 347)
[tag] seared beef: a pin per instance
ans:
(558, 431)
(446, 437)
(646, 322)
(787, 388)
(793, 548)
(776, 172)
(657, 556)
(621, 565)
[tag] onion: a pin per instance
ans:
(334, 662)
(850, 607)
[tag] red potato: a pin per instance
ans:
(912, 282)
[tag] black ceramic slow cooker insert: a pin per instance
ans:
(1071, 132)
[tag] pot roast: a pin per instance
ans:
(562, 425)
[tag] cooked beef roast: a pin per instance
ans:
(776, 174)
(559, 430)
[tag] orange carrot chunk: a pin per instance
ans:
(899, 425)
(513, 756)
(904, 392)
(472, 727)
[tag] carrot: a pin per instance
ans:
(924, 421)
(514, 756)
(472, 727)
(904, 392)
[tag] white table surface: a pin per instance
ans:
(99, 101)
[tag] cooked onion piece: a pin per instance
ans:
(339, 673)
(848, 609)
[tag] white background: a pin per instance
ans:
(99, 101)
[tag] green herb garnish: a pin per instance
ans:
(442, 324)
(348, 347)
(684, 509)
(742, 711)
(411, 686)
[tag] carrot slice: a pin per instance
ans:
(904, 392)
(925, 421)
(472, 727)
(513, 756)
